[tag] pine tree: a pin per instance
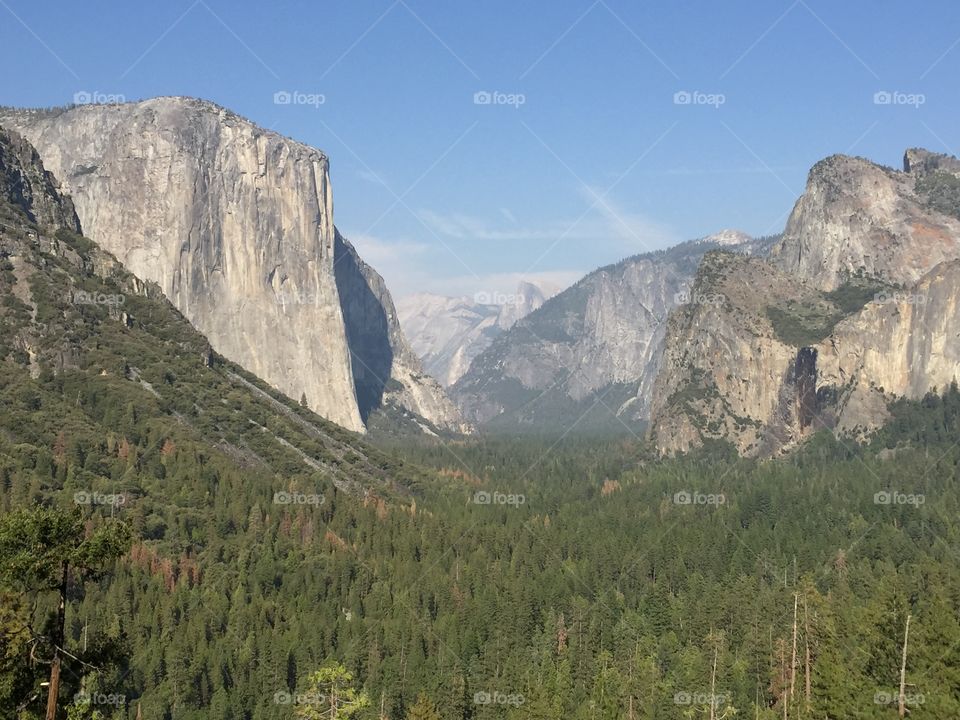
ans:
(330, 695)
(45, 550)
(423, 709)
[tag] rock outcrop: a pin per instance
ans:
(726, 372)
(595, 346)
(26, 184)
(235, 224)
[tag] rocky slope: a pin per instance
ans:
(732, 368)
(31, 189)
(235, 224)
(856, 306)
(591, 353)
(447, 333)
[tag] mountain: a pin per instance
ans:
(279, 565)
(235, 224)
(855, 308)
(379, 349)
(857, 217)
(448, 333)
(91, 348)
(588, 357)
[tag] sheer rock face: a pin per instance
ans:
(233, 222)
(724, 370)
(859, 217)
(770, 354)
(727, 374)
(386, 370)
(902, 345)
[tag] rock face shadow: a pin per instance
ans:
(367, 329)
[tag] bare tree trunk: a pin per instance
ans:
(903, 671)
(783, 676)
(713, 684)
(793, 655)
(806, 647)
(58, 634)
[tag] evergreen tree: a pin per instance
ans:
(330, 695)
(423, 709)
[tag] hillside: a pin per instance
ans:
(479, 580)
(234, 223)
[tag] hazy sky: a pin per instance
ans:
(608, 128)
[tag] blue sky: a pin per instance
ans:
(585, 154)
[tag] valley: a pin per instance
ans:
(622, 384)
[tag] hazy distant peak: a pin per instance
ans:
(727, 238)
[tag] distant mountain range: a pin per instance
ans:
(449, 332)
(759, 342)
(588, 357)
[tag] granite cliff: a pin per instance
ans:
(235, 224)
(855, 307)
(857, 217)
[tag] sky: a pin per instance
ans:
(474, 144)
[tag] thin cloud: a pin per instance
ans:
(370, 176)
(637, 232)
(467, 227)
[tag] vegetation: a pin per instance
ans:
(804, 323)
(280, 566)
(941, 192)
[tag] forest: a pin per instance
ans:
(180, 542)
